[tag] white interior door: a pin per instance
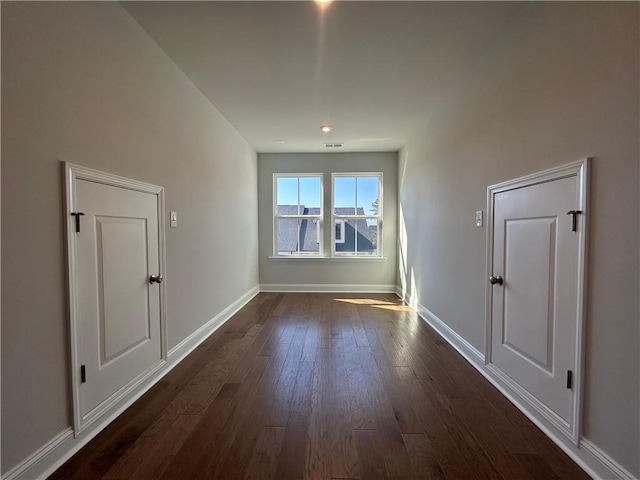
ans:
(536, 293)
(117, 310)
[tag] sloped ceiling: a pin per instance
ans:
(378, 72)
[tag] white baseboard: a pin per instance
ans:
(464, 348)
(326, 288)
(63, 446)
(20, 469)
(605, 459)
(186, 346)
(588, 456)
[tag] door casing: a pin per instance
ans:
(72, 173)
(579, 170)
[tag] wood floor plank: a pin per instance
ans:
(236, 419)
(451, 452)
(370, 452)
(264, 461)
(154, 461)
(382, 369)
(322, 387)
(279, 408)
(344, 456)
(249, 357)
(193, 458)
(318, 461)
(389, 416)
(293, 454)
(249, 429)
(423, 457)
(536, 466)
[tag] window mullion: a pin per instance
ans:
(355, 240)
(298, 206)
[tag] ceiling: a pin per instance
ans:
(378, 72)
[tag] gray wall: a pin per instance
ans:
(82, 82)
(342, 271)
(561, 86)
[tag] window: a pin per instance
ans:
(297, 214)
(355, 218)
(357, 214)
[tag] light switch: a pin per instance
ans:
(479, 219)
(173, 219)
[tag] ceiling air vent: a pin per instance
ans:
(332, 145)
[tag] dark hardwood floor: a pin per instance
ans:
(322, 386)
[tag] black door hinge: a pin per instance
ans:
(83, 374)
(569, 379)
(574, 219)
(77, 215)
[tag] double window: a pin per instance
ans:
(355, 215)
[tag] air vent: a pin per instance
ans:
(332, 145)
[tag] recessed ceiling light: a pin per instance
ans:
(326, 128)
(280, 141)
(323, 2)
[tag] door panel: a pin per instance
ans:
(121, 252)
(118, 310)
(528, 313)
(534, 312)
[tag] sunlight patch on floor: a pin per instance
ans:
(363, 301)
(396, 308)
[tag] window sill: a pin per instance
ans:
(336, 258)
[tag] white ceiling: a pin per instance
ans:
(377, 71)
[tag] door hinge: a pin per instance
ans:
(77, 215)
(569, 379)
(574, 219)
(83, 374)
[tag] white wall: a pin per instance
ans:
(327, 272)
(563, 84)
(82, 82)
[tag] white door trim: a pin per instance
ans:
(580, 170)
(72, 173)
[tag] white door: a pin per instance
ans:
(116, 307)
(536, 293)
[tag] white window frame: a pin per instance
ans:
(344, 218)
(316, 219)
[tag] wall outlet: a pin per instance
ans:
(173, 219)
(479, 219)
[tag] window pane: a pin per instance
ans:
(295, 235)
(310, 196)
(287, 236)
(308, 236)
(369, 245)
(344, 195)
(287, 195)
(360, 237)
(367, 195)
